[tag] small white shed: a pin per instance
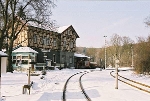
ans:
(3, 61)
(22, 57)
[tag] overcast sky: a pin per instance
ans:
(94, 19)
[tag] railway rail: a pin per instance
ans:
(135, 84)
(80, 85)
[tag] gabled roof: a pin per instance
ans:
(2, 54)
(24, 49)
(63, 28)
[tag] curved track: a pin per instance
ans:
(135, 84)
(81, 74)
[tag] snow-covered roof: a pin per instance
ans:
(63, 28)
(2, 54)
(25, 49)
(93, 62)
(79, 55)
(38, 25)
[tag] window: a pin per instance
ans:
(63, 58)
(16, 59)
(17, 62)
(54, 58)
(70, 32)
(25, 57)
(20, 59)
(47, 41)
(64, 43)
(44, 41)
(70, 59)
(13, 59)
(35, 39)
(54, 42)
(24, 61)
(41, 40)
(71, 44)
(66, 32)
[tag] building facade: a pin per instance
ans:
(59, 46)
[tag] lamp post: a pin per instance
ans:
(105, 51)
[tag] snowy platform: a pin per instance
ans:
(99, 85)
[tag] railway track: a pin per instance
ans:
(77, 85)
(135, 84)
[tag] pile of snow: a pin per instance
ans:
(3, 54)
(99, 85)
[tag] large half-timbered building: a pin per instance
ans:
(59, 46)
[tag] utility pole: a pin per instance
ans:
(105, 51)
(116, 66)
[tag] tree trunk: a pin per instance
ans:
(1, 44)
(1, 40)
(9, 65)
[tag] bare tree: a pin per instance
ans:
(120, 47)
(81, 50)
(114, 50)
(92, 53)
(15, 14)
(126, 51)
(142, 57)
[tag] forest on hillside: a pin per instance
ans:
(125, 50)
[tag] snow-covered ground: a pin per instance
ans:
(99, 85)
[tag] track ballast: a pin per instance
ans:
(135, 84)
(81, 74)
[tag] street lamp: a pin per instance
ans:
(105, 51)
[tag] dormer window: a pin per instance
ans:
(70, 32)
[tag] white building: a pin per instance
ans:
(3, 61)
